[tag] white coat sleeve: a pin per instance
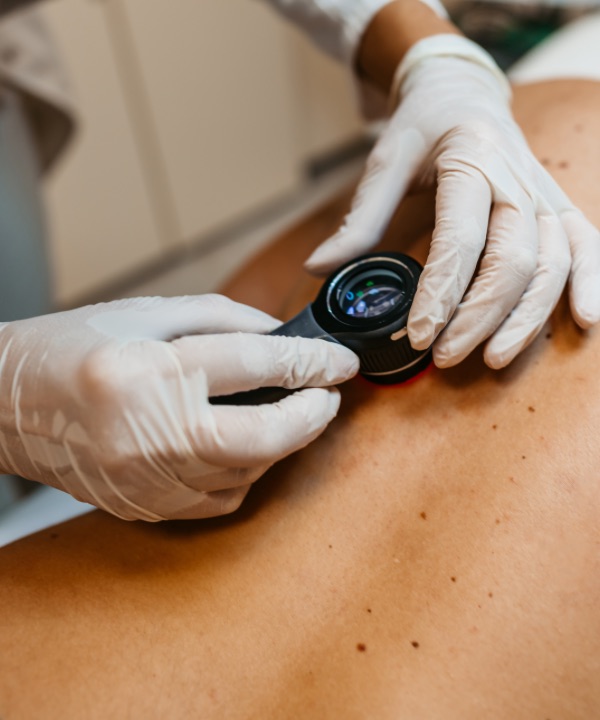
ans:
(337, 26)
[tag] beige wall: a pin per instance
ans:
(193, 113)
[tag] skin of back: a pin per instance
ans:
(435, 554)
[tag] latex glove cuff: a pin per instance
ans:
(444, 46)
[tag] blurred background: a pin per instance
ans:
(200, 127)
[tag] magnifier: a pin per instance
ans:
(363, 305)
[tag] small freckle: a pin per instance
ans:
(563, 165)
(361, 647)
(545, 162)
(548, 336)
(479, 606)
(497, 521)
(523, 457)
(423, 515)
(490, 595)
(531, 408)
(369, 610)
(330, 547)
(453, 579)
(415, 644)
(494, 427)
(512, 480)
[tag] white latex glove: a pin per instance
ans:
(111, 402)
(495, 205)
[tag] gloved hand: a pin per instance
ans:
(495, 205)
(111, 402)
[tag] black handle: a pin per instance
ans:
(302, 325)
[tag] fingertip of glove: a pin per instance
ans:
(585, 305)
(419, 333)
(419, 341)
(321, 262)
(586, 318)
(448, 352)
(347, 362)
(334, 251)
(444, 361)
(497, 361)
(333, 402)
(317, 407)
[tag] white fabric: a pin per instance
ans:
(31, 64)
(498, 212)
(111, 402)
(337, 26)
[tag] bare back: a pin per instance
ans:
(436, 554)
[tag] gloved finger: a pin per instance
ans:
(584, 291)
(391, 166)
(462, 212)
(210, 504)
(508, 264)
(167, 318)
(187, 503)
(243, 361)
(213, 478)
(186, 489)
(540, 298)
(236, 436)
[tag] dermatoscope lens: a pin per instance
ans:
(371, 294)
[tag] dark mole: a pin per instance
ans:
(453, 579)
(361, 647)
(490, 594)
(548, 336)
(369, 610)
(423, 515)
(415, 644)
(523, 457)
(563, 165)
(330, 546)
(531, 408)
(494, 427)
(53, 536)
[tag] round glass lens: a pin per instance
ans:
(371, 294)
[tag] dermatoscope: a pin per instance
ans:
(363, 305)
